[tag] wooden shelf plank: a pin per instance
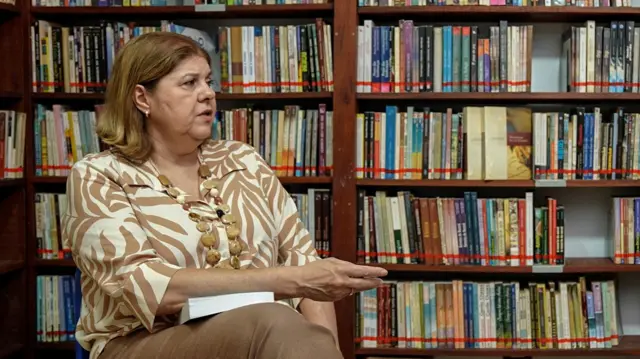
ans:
(492, 13)
(185, 12)
(284, 180)
(603, 183)
(490, 183)
(48, 263)
(533, 97)
(10, 265)
(10, 349)
(573, 265)
(9, 95)
(60, 346)
(9, 9)
(629, 346)
(442, 183)
(65, 97)
(11, 182)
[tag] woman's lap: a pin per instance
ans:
(261, 331)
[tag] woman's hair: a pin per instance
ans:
(143, 61)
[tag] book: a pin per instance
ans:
(204, 306)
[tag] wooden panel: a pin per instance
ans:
(12, 42)
(12, 221)
(12, 312)
(344, 187)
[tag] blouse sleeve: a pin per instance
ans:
(296, 247)
(110, 246)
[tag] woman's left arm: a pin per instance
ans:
(295, 245)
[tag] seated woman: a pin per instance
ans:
(167, 214)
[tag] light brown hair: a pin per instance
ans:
(143, 61)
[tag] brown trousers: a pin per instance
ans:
(261, 331)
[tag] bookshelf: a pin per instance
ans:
(585, 200)
(13, 254)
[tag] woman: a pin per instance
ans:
(166, 214)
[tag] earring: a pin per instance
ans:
(146, 113)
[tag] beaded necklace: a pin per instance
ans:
(210, 238)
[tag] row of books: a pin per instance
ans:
(291, 58)
(497, 143)
(49, 208)
(404, 228)
(316, 213)
(491, 142)
(56, 307)
(448, 58)
(119, 3)
(597, 58)
(251, 59)
(62, 137)
(295, 142)
(12, 134)
(78, 59)
(569, 314)
(314, 208)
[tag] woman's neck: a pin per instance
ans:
(168, 156)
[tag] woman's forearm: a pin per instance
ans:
(321, 313)
(192, 282)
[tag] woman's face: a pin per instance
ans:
(182, 105)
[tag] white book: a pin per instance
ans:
(204, 306)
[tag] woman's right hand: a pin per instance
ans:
(332, 279)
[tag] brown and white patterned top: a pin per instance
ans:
(128, 236)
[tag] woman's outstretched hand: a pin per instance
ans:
(332, 279)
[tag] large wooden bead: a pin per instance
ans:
(235, 248)
(233, 232)
(209, 240)
(235, 262)
(213, 256)
(164, 181)
(202, 226)
(204, 171)
(210, 184)
(228, 219)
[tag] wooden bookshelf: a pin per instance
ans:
(345, 17)
(14, 271)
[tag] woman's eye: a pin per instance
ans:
(190, 82)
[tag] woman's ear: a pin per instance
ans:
(141, 99)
